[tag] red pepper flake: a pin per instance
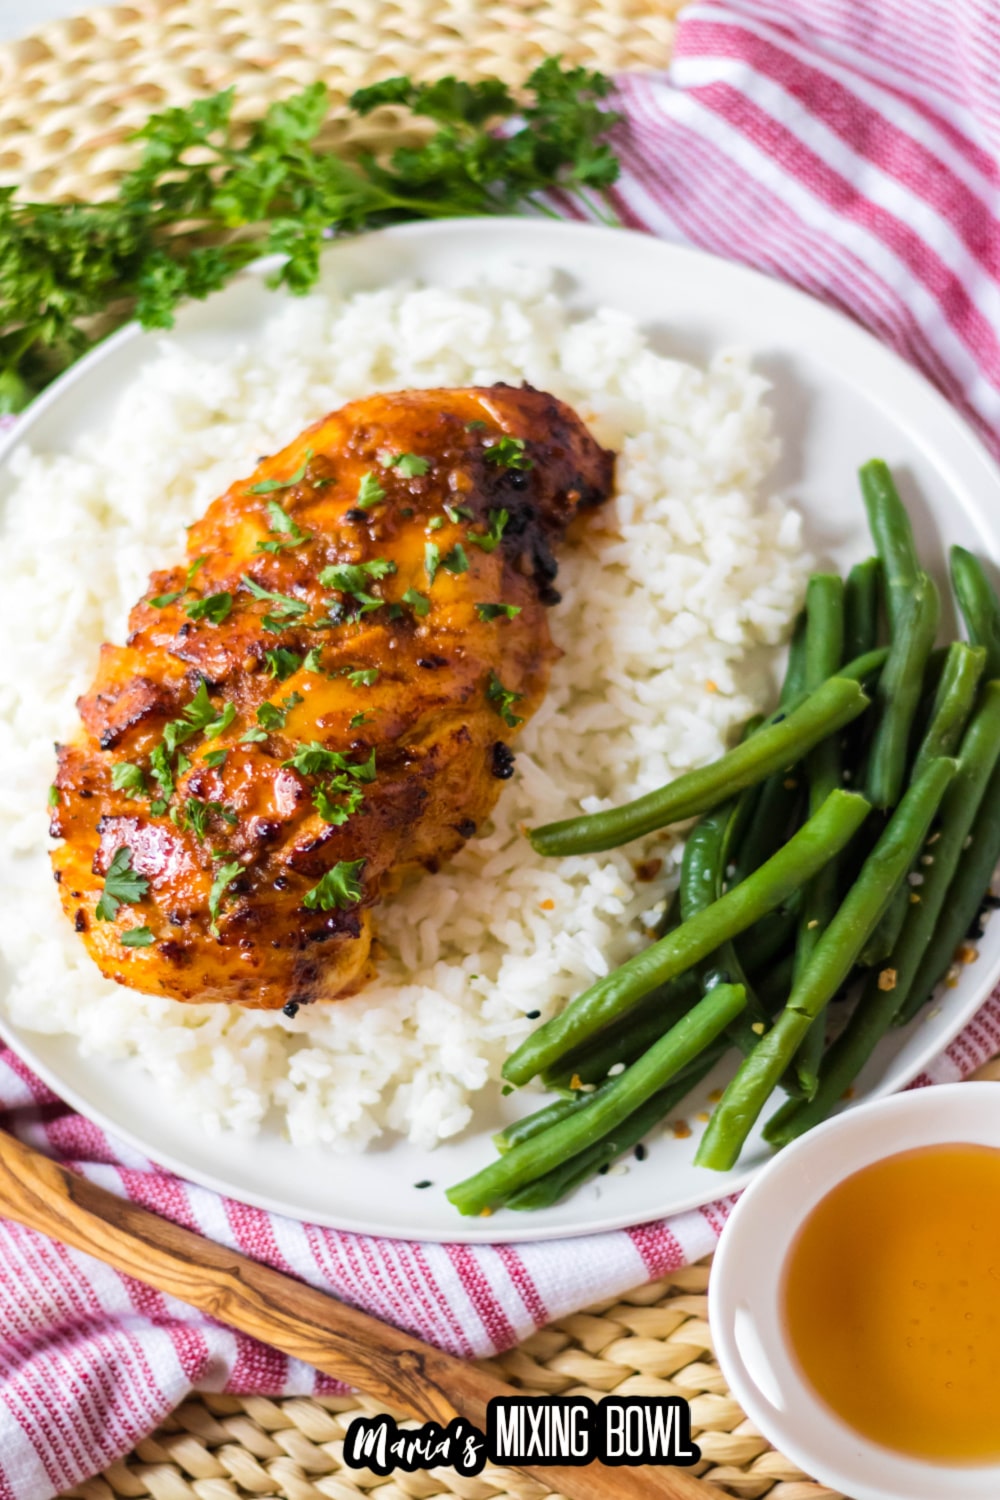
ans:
(648, 869)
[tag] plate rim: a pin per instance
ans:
(884, 362)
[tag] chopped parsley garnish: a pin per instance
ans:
(268, 486)
(339, 887)
(419, 603)
(490, 540)
(253, 736)
(358, 720)
(162, 600)
(163, 775)
(195, 815)
(435, 523)
(456, 561)
(476, 425)
(54, 795)
(410, 465)
(199, 715)
(456, 513)
(128, 778)
(432, 560)
(272, 716)
(370, 492)
(312, 661)
(350, 578)
(363, 677)
(285, 607)
(136, 937)
(283, 526)
(224, 877)
(509, 453)
(337, 813)
(215, 758)
(316, 760)
(497, 611)
(121, 884)
(213, 607)
(282, 663)
(503, 700)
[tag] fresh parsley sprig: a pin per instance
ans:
(168, 233)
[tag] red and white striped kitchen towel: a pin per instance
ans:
(848, 146)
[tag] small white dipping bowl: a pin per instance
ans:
(745, 1292)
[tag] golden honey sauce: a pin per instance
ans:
(891, 1300)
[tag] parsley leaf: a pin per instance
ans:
(456, 513)
(272, 715)
(435, 523)
(128, 778)
(419, 603)
(268, 486)
(203, 173)
(317, 760)
(370, 492)
(137, 937)
(432, 560)
(162, 772)
(359, 719)
(196, 813)
(282, 663)
(337, 813)
(410, 465)
(121, 884)
(162, 600)
(215, 758)
(224, 877)
(503, 700)
(283, 525)
(497, 611)
(54, 798)
(350, 578)
(476, 425)
(489, 541)
(285, 607)
(509, 453)
(456, 561)
(363, 677)
(213, 607)
(312, 662)
(339, 887)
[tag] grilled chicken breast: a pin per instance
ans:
(323, 695)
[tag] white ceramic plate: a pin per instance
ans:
(840, 398)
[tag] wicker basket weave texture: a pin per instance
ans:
(69, 96)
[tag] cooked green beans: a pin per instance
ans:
(898, 692)
(624, 1041)
(560, 1181)
(605, 1110)
(893, 535)
(816, 842)
(887, 989)
(772, 748)
(979, 605)
(824, 651)
(861, 607)
(831, 963)
(953, 701)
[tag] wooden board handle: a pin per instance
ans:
(349, 1345)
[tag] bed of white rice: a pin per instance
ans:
(678, 583)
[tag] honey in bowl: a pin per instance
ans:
(891, 1301)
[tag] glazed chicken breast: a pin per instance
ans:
(321, 696)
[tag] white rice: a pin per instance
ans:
(677, 583)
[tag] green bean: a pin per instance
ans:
(549, 1114)
(953, 701)
(898, 693)
(893, 536)
(952, 705)
(866, 668)
(816, 842)
(861, 607)
(888, 990)
(832, 706)
(767, 941)
(831, 963)
(977, 599)
(629, 1037)
(776, 986)
(703, 877)
(967, 860)
(606, 1110)
(561, 1181)
(824, 651)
